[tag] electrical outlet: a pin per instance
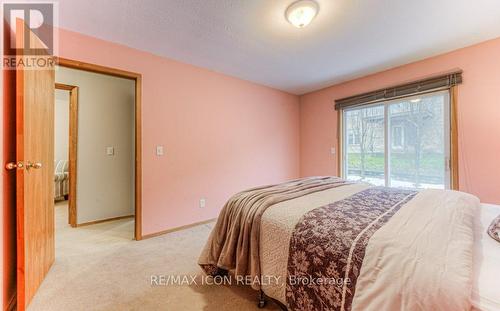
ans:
(202, 203)
(110, 151)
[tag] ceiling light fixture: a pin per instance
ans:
(301, 13)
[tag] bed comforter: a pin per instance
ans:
(350, 246)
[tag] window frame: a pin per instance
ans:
(451, 165)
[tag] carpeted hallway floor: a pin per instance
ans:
(100, 267)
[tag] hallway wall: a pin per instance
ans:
(105, 183)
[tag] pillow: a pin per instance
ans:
(494, 229)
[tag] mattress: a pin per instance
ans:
(486, 289)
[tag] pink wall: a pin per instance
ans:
(220, 134)
(478, 115)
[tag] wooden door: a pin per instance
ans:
(35, 176)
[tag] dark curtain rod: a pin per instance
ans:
(408, 89)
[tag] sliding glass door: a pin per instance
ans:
(399, 143)
(364, 155)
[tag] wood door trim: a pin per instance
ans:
(69, 63)
(454, 138)
(340, 151)
(138, 157)
(73, 149)
(64, 87)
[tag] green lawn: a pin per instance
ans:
(401, 163)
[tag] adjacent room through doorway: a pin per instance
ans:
(94, 152)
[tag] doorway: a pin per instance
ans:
(66, 142)
(31, 92)
(81, 195)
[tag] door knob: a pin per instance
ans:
(35, 165)
(14, 165)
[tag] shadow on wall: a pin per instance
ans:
(8, 183)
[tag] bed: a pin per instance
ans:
(322, 243)
(486, 270)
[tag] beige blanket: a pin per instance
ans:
(425, 253)
(420, 260)
(235, 241)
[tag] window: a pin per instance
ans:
(365, 160)
(399, 143)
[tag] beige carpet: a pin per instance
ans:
(100, 267)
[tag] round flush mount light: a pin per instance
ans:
(301, 13)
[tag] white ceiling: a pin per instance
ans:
(250, 39)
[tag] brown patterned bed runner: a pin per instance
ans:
(328, 246)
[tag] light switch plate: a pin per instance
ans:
(110, 151)
(159, 150)
(333, 150)
(203, 203)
